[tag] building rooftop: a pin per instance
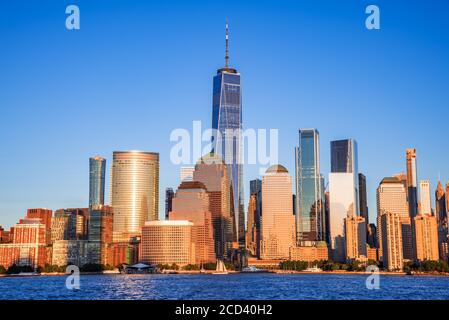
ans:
(277, 168)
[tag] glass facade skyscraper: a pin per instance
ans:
(343, 193)
(97, 173)
(134, 192)
(227, 123)
(310, 217)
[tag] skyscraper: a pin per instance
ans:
(343, 193)
(425, 202)
(227, 123)
(278, 222)
(254, 216)
(392, 253)
(363, 198)
(97, 173)
(100, 233)
(213, 173)
(392, 198)
(169, 195)
(310, 217)
(355, 235)
(441, 216)
(186, 173)
(134, 192)
(426, 237)
(192, 203)
(412, 181)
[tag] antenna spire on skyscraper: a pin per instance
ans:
(227, 45)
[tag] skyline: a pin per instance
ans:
(37, 181)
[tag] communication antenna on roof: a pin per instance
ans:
(227, 45)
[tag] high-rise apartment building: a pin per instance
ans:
(392, 257)
(425, 202)
(191, 203)
(309, 213)
(278, 221)
(355, 235)
(343, 193)
(426, 237)
(134, 192)
(227, 140)
(412, 182)
(97, 175)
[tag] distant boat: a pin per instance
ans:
(221, 268)
(25, 274)
(202, 270)
(252, 269)
(313, 269)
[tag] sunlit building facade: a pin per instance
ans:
(213, 173)
(425, 202)
(392, 248)
(191, 203)
(134, 192)
(167, 242)
(278, 234)
(343, 193)
(355, 235)
(392, 198)
(426, 237)
(412, 182)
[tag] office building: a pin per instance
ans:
(167, 242)
(254, 216)
(363, 199)
(343, 193)
(392, 198)
(100, 233)
(186, 173)
(278, 222)
(213, 173)
(309, 213)
(441, 214)
(191, 203)
(70, 224)
(97, 174)
(134, 192)
(169, 195)
(227, 140)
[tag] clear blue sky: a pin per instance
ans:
(136, 70)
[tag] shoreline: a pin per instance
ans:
(211, 272)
